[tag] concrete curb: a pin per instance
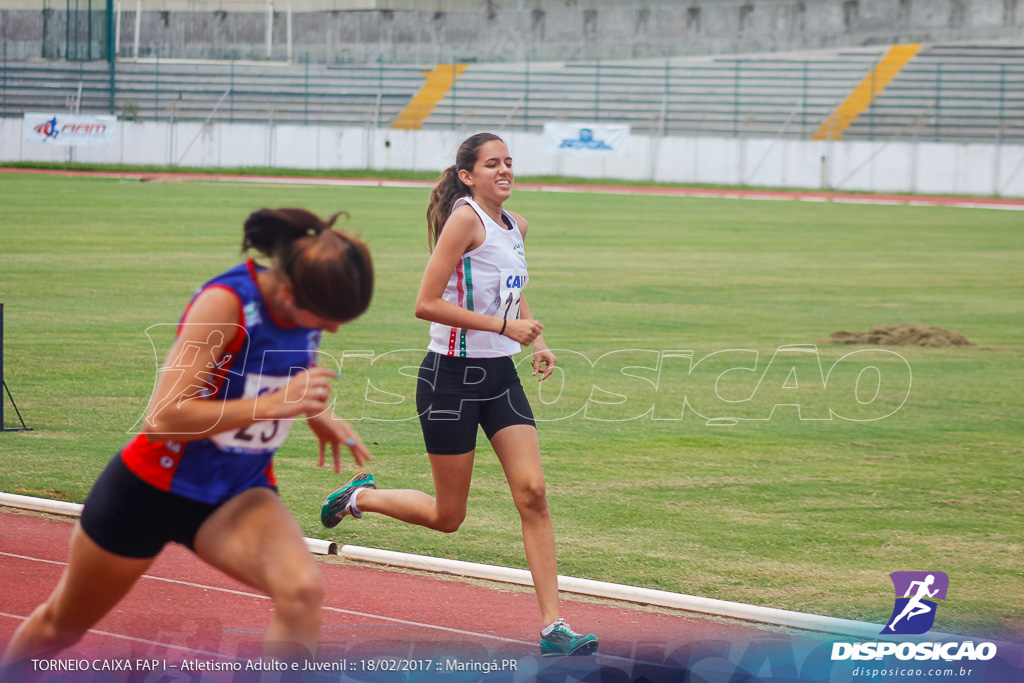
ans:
(601, 589)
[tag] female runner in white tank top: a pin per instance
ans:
(472, 295)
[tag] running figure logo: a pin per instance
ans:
(47, 129)
(916, 592)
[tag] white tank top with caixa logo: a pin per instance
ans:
(489, 280)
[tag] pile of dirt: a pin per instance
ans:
(911, 334)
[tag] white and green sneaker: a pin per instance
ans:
(562, 640)
(336, 505)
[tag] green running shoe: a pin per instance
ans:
(562, 640)
(336, 505)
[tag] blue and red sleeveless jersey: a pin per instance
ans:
(261, 358)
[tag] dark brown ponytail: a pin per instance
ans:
(270, 230)
(450, 188)
(330, 271)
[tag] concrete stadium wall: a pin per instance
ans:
(541, 30)
(922, 167)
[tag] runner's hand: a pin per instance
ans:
(523, 331)
(306, 393)
(335, 432)
(544, 362)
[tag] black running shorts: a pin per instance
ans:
(456, 395)
(126, 516)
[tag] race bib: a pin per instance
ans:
(262, 436)
(511, 292)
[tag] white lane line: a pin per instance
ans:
(338, 610)
(403, 622)
(144, 641)
(34, 559)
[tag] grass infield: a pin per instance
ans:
(785, 508)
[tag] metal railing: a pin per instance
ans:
(164, 90)
(939, 97)
(723, 97)
(945, 94)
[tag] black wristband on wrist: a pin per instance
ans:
(503, 323)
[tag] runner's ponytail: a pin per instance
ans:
(450, 187)
(330, 271)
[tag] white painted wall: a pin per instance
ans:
(924, 167)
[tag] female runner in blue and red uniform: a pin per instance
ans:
(201, 472)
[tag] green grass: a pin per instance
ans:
(800, 514)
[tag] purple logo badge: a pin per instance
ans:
(916, 592)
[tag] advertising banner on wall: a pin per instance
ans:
(586, 139)
(71, 130)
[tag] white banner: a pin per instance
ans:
(71, 130)
(586, 139)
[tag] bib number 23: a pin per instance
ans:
(261, 436)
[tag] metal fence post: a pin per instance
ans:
(1002, 99)
(2, 384)
(138, 28)
(112, 54)
(871, 105)
(231, 86)
(938, 100)
(156, 85)
(5, 389)
(736, 99)
(526, 97)
(46, 32)
(668, 95)
(803, 104)
(998, 152)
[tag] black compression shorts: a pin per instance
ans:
(126, 516)
(456, 395)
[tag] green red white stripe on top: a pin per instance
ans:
(478, 283)
(464, 273)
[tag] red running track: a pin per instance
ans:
(183, 610)
(714, 193)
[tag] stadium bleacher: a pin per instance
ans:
(721, 96)
(965, 93)
(952, 93)
(165, 90)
